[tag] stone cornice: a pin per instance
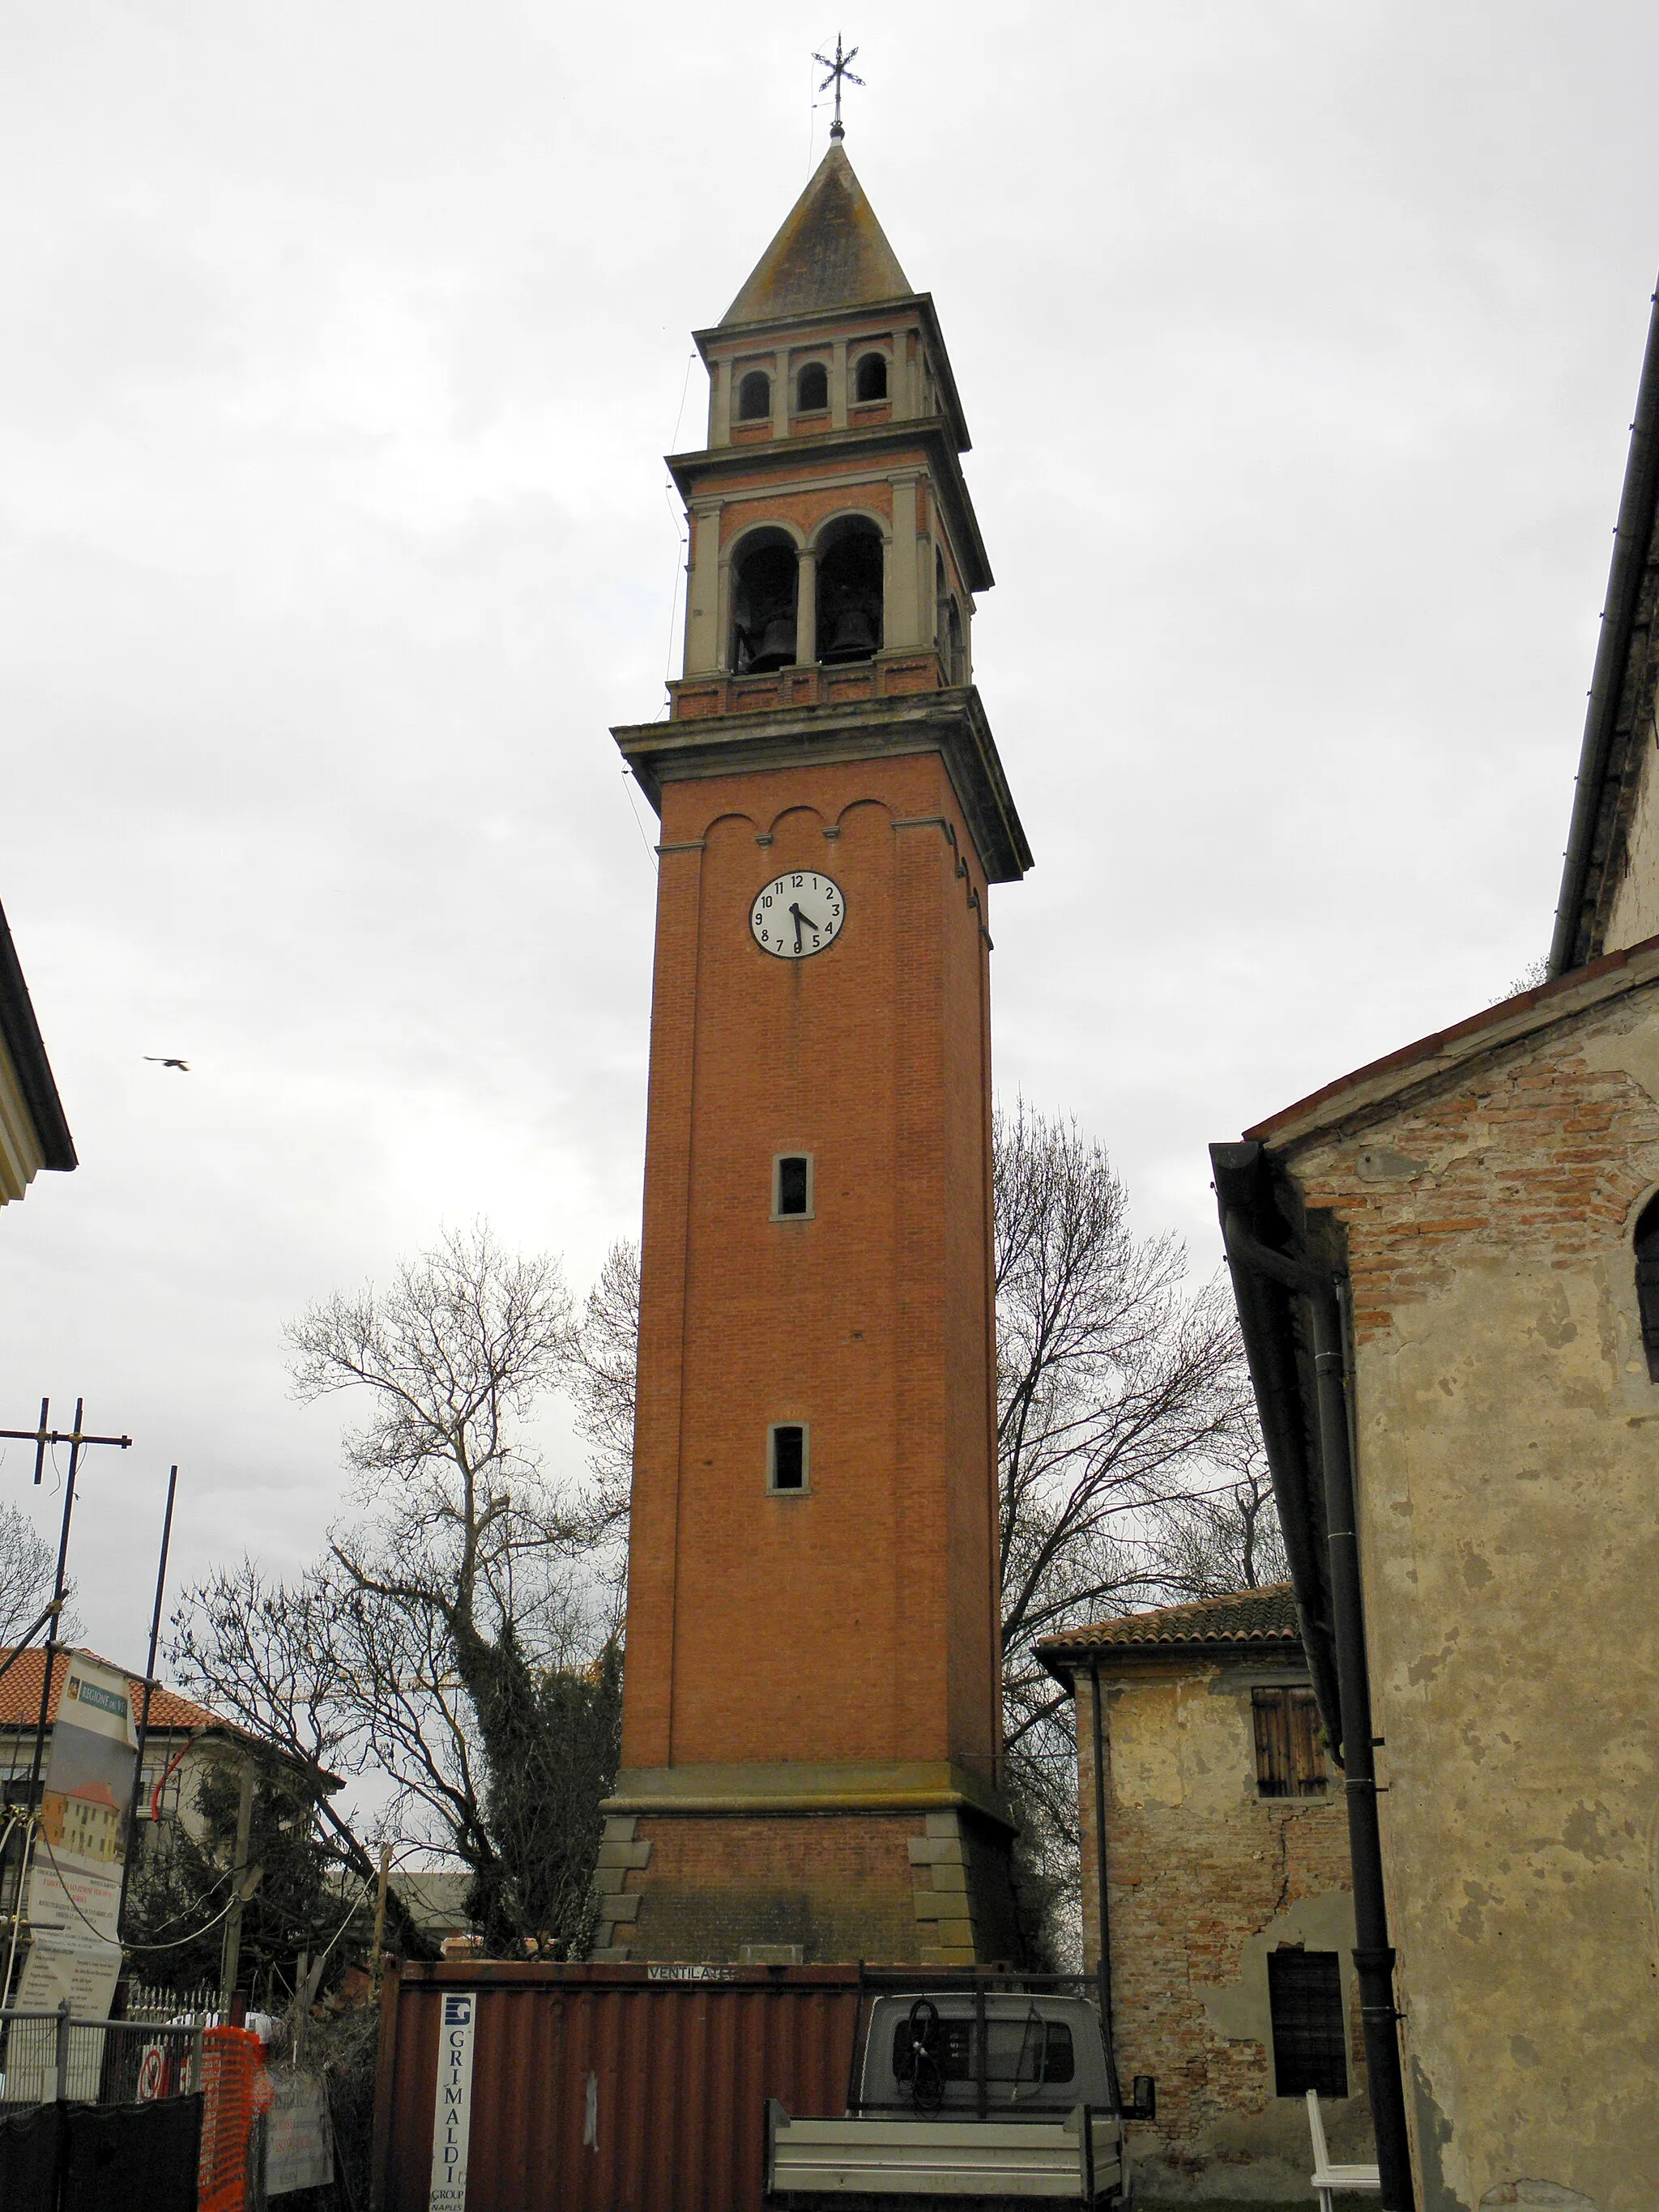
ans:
(952, 723)
(806, 1786)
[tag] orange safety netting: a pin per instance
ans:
(236, 2088)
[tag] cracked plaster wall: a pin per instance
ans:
(1206, 1878)
(1507, 1440)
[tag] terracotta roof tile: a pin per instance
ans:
(1518, 1016)
(20, 1696)
(1256, 1617)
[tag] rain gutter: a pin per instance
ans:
(1331, 1590)
(1631, 540)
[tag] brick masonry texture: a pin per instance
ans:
(895, 1888)
(1506, 1425)
(855, 1622)
(1205, 1878)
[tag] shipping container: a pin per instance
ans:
(602, 2088)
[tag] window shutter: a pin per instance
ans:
(1304, 1996)
(1273, 1743)
(1307, 1756)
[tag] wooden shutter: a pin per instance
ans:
(1273, 1743)
(1307, 1752)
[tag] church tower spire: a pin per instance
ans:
(811, 1757)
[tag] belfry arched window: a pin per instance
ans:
(870, 379)
(849, 591)
(812, 389)
(956, 658)
(754, 397)
(1647, 1281)
(947, 625)
(764, 603)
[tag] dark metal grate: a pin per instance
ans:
(1647, 1282)
(1304, 1991)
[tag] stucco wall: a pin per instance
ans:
(1508, 1470)
(1634, 912)
(20, 1156)
(1205, 1878)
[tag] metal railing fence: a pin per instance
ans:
(50, 2057)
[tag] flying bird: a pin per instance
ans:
(160, 1060)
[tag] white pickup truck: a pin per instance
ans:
(985, 2098)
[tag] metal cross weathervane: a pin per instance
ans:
(838, 70)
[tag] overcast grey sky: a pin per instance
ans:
(340, 345)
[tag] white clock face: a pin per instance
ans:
(797, 915)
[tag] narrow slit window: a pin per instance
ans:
(1290, 1759)
(1305, 1997)
(787, 1455)
(1647, 1283)
(792, 1186)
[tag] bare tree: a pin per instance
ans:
(604, 1359)
(1223, 1539)
(1122, 1403)
(447, 1641)
(27, 1563)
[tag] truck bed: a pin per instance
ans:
(1076, 2160)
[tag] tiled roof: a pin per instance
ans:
(1505, 1024)
(830, 252)
(1260, 1616)
(20, 1696)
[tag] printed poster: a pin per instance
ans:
(298, 2144)
(81, 1845)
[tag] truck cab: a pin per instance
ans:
(985, 2097)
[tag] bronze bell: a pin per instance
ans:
(853, 636)
(775, 646)
(767, 609)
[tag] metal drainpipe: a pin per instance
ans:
(1105, 1965)
(1373, 1957)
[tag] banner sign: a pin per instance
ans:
(299, 2148)
(81, 1846)
(452, 2112)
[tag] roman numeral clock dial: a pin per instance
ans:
(798, 914)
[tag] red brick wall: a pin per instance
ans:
(1190, 1883)
(839, 1887)
(857, 1623)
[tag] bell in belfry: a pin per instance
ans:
(764, 609)
(849, 597)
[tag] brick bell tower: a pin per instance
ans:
(812, 1761)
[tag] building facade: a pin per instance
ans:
(33, 1134)
(1446, 1268)
(811, 1759)
(184, 1742)
(1229, 1905)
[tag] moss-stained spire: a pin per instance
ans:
(831, 252)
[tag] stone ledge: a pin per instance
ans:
(938, 1789)
(621, 1855)
(935, 1850)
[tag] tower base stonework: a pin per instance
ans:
(893, 1886)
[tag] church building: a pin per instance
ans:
(1447, 1270)
(811, 1757)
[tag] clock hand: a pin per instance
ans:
(800, 918)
